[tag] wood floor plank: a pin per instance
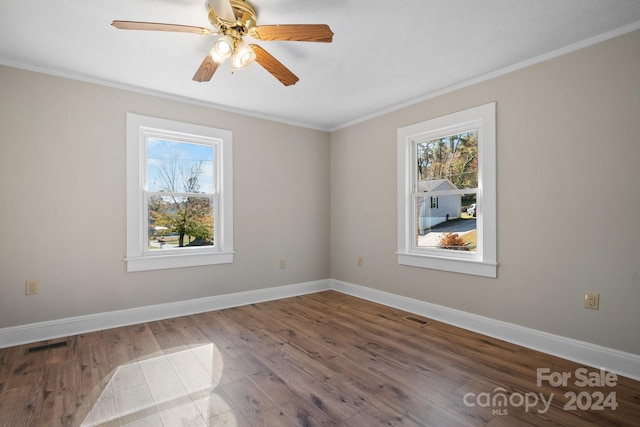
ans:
(95, 372)
(52, 406)
(401, 374)
(296, 356)
(271, 372)
(232, 418)
(60, 389)
(118, 347)
(168, 336)
(218, 335)
(24, 366)
(283, 395)
(143, 342)
(392, 363)
(352, 365)
(19, 407)
(380, 417)
(99, 411)
(319, 359)
(255, 406)
(8, 357)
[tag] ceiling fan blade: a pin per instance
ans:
(157, 26)
(223, 9)
(294, 32)
(206, 70)
(274, 66)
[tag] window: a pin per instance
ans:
(179, 194)
(446, 193)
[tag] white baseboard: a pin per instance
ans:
(41, 331)
(619, 362)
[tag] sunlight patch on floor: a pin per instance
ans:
(170, 390)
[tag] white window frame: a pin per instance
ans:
(483, 261)
(139, 129)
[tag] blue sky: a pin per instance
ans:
(162, 152)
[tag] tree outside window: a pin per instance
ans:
(180, 194)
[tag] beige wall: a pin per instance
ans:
(568, 172)
(62, 206)
(568, 200)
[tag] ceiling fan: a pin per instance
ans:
(235, 19)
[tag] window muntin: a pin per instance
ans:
(179, 194)
(446, 192)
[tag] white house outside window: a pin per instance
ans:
(179, 194)
(446, 193)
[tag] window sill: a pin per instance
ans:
(473, 267)
(161, 262)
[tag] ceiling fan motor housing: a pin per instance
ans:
(245, 16)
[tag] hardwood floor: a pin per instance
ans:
(320, 359)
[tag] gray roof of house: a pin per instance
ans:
(433, 184)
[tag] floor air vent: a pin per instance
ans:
(416, 320)
(46, 347)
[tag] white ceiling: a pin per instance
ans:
(384, 53)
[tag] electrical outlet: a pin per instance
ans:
(283, 264)
(32, 287)
(360, 261)
(591, 300)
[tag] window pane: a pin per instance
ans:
(446, 222)
(176, 222)
(179, 167)
(453, 158)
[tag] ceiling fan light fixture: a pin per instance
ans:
(233, 20)
(242, 56)
(222, 49)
